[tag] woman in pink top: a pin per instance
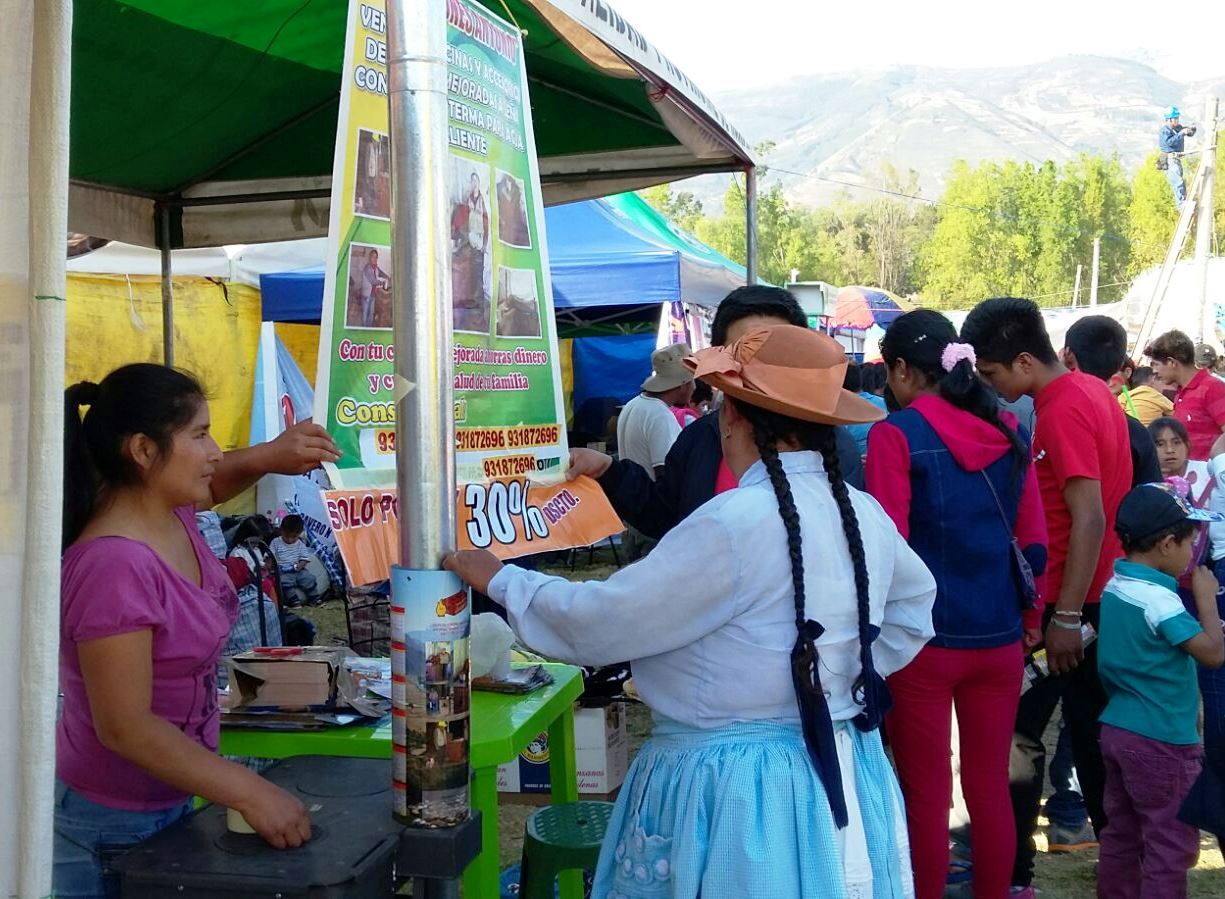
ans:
(145, 611)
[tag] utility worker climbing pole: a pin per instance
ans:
(1170, 143)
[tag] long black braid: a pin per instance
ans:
(868, 689)
(768, 429)
(766, 440)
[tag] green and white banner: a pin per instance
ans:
(508, 398)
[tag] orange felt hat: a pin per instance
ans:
(789, 370)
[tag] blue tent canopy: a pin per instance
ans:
(612, 254)
(295, 296)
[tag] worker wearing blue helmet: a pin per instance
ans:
(1170, 143)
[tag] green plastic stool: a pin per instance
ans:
(559, 838)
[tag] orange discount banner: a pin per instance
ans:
(510, 518)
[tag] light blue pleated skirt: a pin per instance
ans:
(739, 812)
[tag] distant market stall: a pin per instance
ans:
(860, 318)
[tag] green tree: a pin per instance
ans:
(1152, 217)
(682, 208)
(1020, 229)
(787, 236)
(896, 229)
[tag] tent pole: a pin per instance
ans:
(750, 224)
(163, 240)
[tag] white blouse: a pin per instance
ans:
(708, 618)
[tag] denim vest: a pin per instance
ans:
(957, 530)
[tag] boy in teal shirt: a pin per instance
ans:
(1146, 659)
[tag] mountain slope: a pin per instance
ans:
(842, 128)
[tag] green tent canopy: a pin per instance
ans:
(648, 218)
(224, 113)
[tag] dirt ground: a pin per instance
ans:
(1068, 876)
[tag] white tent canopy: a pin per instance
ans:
(240, 263)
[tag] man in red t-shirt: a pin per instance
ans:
(1200, 401)
(1082, 456)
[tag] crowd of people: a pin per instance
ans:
(1074, 540)
(831, 625)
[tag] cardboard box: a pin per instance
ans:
(601, 751)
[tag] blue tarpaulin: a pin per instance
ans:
(608, 371)
(295, 296)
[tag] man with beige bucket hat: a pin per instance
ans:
(646, 428)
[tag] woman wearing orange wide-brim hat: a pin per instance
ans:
(765, 774)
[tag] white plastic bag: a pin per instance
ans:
(492, 639)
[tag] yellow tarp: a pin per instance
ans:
(302, 341)
(114, 320)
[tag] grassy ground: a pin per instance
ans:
(1058, 876)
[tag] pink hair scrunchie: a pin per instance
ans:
(956, 352)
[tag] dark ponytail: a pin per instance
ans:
(919, 338)
(136, 399)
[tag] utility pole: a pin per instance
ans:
(1204, 225)
(1097, 258)
(750, 225)
(1076, 289)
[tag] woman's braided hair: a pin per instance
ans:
(768, 429)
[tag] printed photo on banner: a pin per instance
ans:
(518, 303)
(512, 212)
(471, 259)
(438, 702)
(369, 300)
(372, 181)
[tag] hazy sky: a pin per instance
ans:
(724, 44)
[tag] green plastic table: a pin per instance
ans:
(502, 726)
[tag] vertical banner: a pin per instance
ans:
(509, 407)
(282, 398)
(354, 389)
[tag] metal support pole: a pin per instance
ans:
(1076, 289)
(163, 223)
(421, 290)
(1204, 223)
(750, 225)
(425, 420)
(1093, 275)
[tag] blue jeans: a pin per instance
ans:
(1065, 807)
(1173, 174)
(299, 586)
(89, 838)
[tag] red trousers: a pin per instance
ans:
(984, 686)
